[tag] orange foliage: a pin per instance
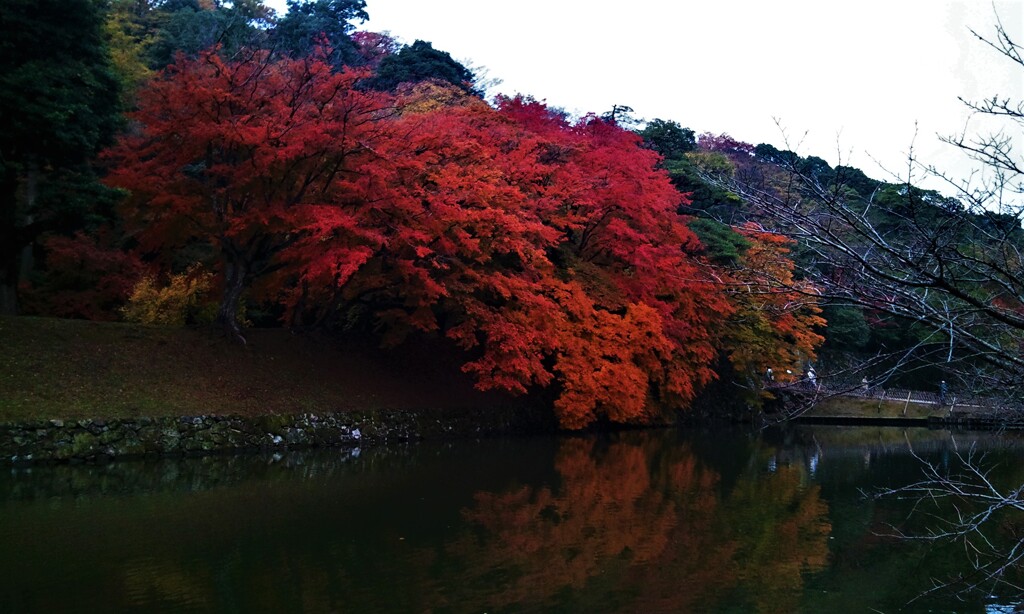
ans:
(647, 523)
(776, 315)
(606, 510)
(550, 250)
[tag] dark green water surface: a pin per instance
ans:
(656, 521)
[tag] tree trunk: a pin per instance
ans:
(235, 274)
(15, 247)
(8, 298)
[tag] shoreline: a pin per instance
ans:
(97, 440)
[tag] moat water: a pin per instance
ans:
(651, 521)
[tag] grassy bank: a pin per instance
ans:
(69, 369)
(870, 408)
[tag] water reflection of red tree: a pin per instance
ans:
(639, 524)
(646, 524)
(606, 514)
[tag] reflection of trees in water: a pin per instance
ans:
(782, 529)
(537, 541)
(695, 569)
(645, 524)
(640, 523)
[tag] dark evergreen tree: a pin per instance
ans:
(311, 22)
(421, 62)
(721, 244)
(707, 200)
(668, 138)
(187, 26)
(772, 155)
(847, 328)
(59, 103)
(818, 170)
(856, 180)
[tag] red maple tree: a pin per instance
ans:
(550, 250)
(239, 153)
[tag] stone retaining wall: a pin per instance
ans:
(89, 440)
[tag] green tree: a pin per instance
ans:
(190, 26)
(855, 179)
(421, 62)
(307, 21)
(722, 245)
(772, 155)
(847, 328)
(59, 103)
(707, 199)
(668, 138)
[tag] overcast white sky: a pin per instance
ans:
(853, 77)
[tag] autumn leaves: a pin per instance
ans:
(549, 249)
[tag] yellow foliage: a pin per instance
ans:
(184, 300)
(712, 162)
(427, 96)
(127, 42)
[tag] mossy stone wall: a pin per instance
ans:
(88, 440)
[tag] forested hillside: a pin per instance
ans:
(198, 162)
(917, 286)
